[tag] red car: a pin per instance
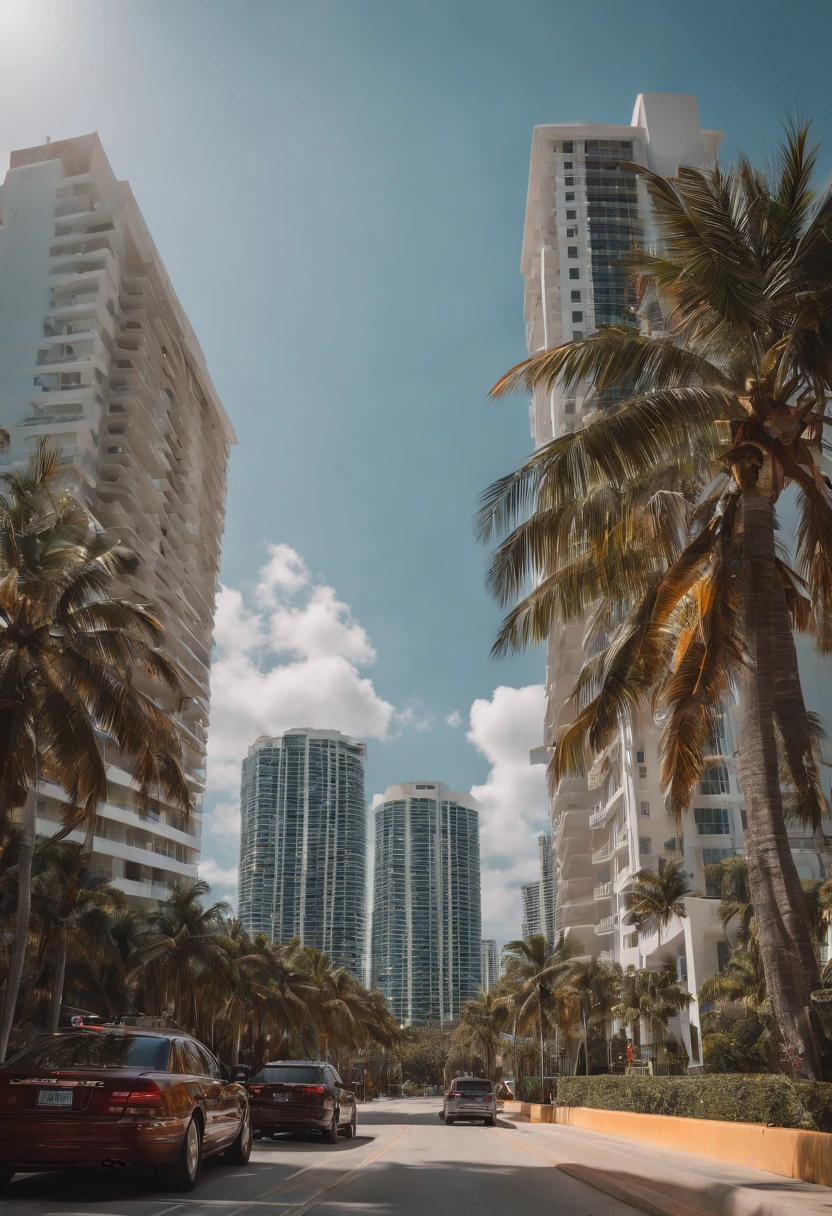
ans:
(302, 1096)
(109, 1096)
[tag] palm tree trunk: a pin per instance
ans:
(586, 1046)
(540, 1013)
(514, 1049)
(57, 995)
(21, 930)
(777, 895)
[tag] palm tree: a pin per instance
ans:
(658, 515)
(652, 997)
(534, 976)
(596, 987)
(656, 897)
(71, 905)
(480, 1023)
(731, 875)
(69, 653)
(182, 946)
(741, 983)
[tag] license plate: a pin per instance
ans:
(281, 1097)
(55, 1097)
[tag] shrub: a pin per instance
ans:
(774, 1100)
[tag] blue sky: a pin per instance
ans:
(337, 188)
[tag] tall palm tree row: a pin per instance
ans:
(70, 652)
(656, 519)
(188, 961)
(546, 994)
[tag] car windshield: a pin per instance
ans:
(472, 1087)
(288, 1074)
(96, 1049)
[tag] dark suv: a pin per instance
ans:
(301, 1096)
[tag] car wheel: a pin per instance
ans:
(352, 1126)
(331, 1133)
(182, 1175)
(239, 1152)
(441, 1114)
(5, 1178)
(449, 1121)
(491, 1122)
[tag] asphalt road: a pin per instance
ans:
(404, 1160)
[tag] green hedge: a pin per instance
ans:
(735, 1098)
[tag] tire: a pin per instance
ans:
(5, 1178)
(331, 1133)
(449, 1121)
(352, 1126)
(182, 1175)
(239, 1152)
(491, 1122)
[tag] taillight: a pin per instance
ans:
(255, 1089)
(314, 1089)
(450, 1094)
(147, 1101)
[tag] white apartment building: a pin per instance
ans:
(583, 209)
(96, 350)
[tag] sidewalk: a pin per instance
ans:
(668, 1184)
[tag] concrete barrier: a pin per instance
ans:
(779, 1150)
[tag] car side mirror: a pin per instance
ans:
(240, 1073)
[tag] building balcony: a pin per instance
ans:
(602, 854)
(606, 925)
(602, 891)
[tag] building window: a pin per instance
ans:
(569, 407)
(577, 335)
(640, 756)
(569, 181)
(570, 196)
(712, 820)
(645, 845)
(571, 215)
(630, 940)
(714, 780)
(579, 316)
(576, 297)
(569, 145)
(572, 251)
(567, 164)
(571, 232)
(645, 809)
(642, 772)
(574, 272)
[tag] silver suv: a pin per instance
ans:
(470, 1098)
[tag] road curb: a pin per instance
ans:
(646, 1199)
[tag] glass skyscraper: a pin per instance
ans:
(303, 843)
(426, 902)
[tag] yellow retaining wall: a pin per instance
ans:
(779, 1150)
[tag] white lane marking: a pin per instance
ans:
(345, 1179)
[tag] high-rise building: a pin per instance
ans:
(530, 902)
(96, 351)
(548, 887)
(303, 843)
(489, 964)
(427, 920)
(585, 207)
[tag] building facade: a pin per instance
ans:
(532, 923)
(585, 207)
(96, 351)
(427, 921)
(303, 843)
(489, 964)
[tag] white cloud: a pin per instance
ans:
(292, 659)
(284, 572)
(514, 800)
(223, 882)
(414, 715)
(454, 719)
(223, 820)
